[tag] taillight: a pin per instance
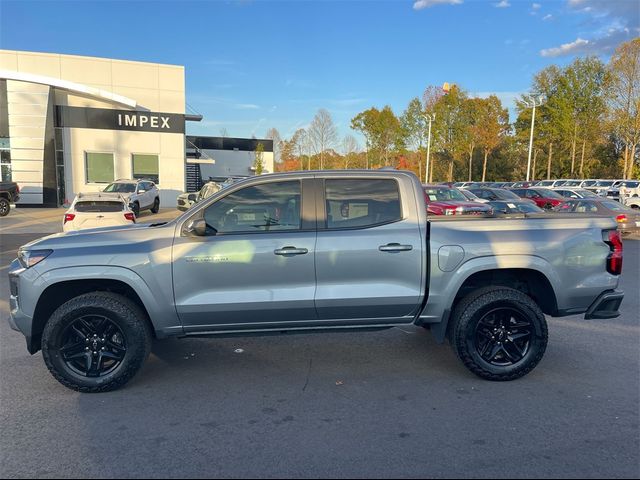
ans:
(621, 218)
(17, 188)
(130, 216)
(614, 260)
(68, 217)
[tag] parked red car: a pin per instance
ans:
(442, 200)
(543, 197)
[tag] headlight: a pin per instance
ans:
(29, 258)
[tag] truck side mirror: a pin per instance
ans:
(192, 197)
(197, 227)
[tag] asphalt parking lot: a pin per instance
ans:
(385, 404)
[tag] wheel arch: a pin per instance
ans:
(60, 285)
(525, 278)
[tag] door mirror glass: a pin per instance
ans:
(192, 197)
(196, 228)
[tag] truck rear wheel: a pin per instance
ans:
(96, 342)
(499, 333)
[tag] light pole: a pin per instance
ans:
(429, 118)
(532, 102)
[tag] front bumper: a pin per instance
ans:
(605, 306)
(18, 320)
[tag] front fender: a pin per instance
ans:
(162, 312)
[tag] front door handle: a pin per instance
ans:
(395, 247)
(286, 251)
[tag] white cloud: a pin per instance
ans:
(547, 17)
(502, 4)
(420, 4)
(246, 106)
(536, 6)
(610, 21)
(578, 46)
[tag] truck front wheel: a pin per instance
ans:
(4, 207)
(499, 333)
(96, 342)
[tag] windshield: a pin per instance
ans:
(546, 183)
(549, 194)
(588, 183)
(630, 184)
(603, 183)
(572, 183)
(505, 195)
(516, 207)
(585, 193)
(469, 195)
(120, 188)
(444, 194)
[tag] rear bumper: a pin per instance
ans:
(605, 306)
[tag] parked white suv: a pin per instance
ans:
(95, 210)
(141, 194)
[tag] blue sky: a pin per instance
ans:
(252, 65)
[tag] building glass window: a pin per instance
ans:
(145, 166)
(60, 182)
(5, 160)
(99, 167)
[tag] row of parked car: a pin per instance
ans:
(121, 202)
(522, 198)
(606, 188)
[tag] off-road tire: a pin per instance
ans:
(129, 318)
(472, 308)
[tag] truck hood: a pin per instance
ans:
(107, 236)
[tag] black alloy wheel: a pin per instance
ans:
(96, 342)
(499, 333)
(4, 207)
(92, 346)
(502, 336)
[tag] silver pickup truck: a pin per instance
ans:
(309, 252)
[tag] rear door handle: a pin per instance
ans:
(395, 247)
(286, 251)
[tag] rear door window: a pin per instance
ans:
(361, 203)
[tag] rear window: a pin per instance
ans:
(99, 206)
(616, 207)
(361, 203)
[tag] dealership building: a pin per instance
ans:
(71, 124)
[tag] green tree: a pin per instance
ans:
(414, 128)
(624, 100)
(258, 164)
(450, 130)
(492, 124)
